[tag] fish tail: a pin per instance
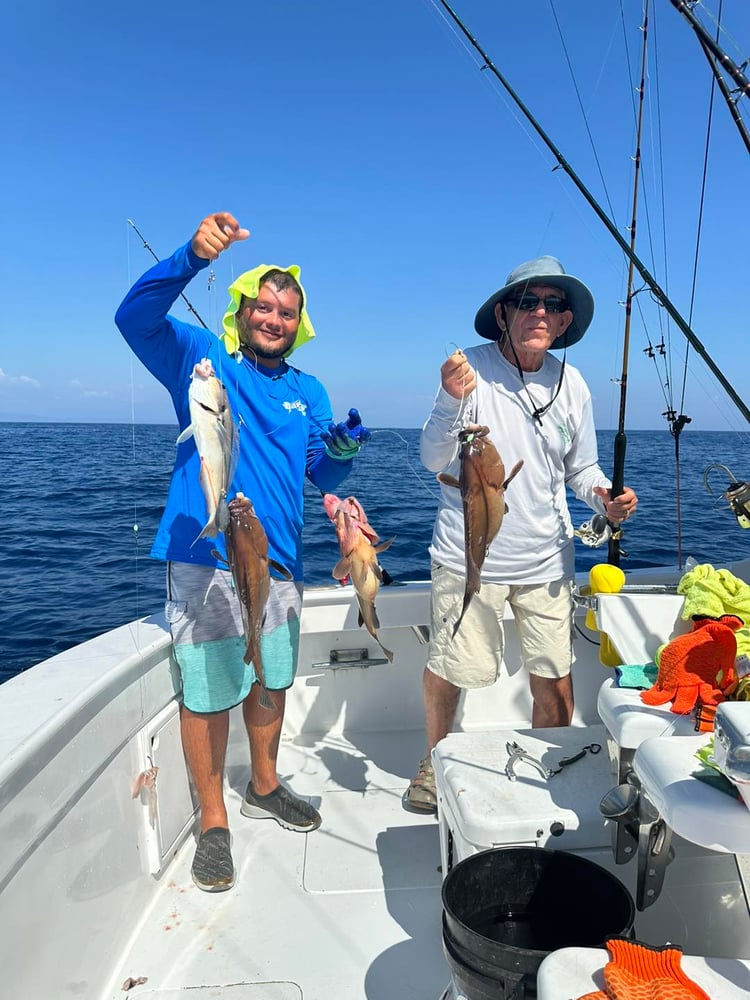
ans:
(387, 652)
(467, 601)
(252, 655)
(265, 700)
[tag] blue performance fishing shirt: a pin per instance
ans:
(280, 414)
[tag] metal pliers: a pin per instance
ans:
(517, 753)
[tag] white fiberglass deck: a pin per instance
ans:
(350, 911)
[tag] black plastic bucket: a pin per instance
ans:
(506, 909)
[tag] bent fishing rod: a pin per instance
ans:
(652, 283)
(717, 57)
(184, 297)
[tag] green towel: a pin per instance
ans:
(637, 675)
(713, 593)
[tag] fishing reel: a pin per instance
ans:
(597, 531)
(737, 495)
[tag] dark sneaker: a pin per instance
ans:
(421, 793)
(213, 869)
(288, 810)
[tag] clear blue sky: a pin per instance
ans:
(361, 141)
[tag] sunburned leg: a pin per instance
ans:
(440, 703)
(553, 701)
(264, 732)
(204, 740)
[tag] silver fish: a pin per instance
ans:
(216, 441)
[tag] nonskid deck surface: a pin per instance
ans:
(350, 911)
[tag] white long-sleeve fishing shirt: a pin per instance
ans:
(535, 541)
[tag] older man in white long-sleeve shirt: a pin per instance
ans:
(538, 410)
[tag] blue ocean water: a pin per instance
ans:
(72, 565)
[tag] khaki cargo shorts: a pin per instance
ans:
(543, 613)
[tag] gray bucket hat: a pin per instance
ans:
(541, 271)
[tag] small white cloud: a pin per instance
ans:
(18, 380)
(96, 394)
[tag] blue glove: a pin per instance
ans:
(343, 441)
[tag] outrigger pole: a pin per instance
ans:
(717, 57)
(184, 298)
(660, 294)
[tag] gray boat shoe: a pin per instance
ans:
(213, 868)
(287, 809)
(422, 794)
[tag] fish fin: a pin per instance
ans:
(375, 622)
(387, 652)
(210, 530)
(219, 557)
(222, 514)
(280, 569)
(265, 701)
(342, 569)
(187, 433)
(513, 472)
(368, 531)
(447, 480)
(385, 545)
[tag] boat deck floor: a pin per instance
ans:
(350, 911)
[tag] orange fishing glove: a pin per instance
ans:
(699, 665)
(639, 972)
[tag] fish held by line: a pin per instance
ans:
(216, 441)
(360, 545)
(247, 552)
(482, 482)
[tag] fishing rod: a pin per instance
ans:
(652, 283)
(717, 57)
(184, 297)
(621, 441)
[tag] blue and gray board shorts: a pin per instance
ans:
(203, 611)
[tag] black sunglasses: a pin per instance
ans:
(529, 302)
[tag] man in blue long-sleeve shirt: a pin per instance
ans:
(286, 434)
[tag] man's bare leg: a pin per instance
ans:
(264, 733)
(440, 704)
(204, 741)
(552, 701)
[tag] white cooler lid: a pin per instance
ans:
(490, 810)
